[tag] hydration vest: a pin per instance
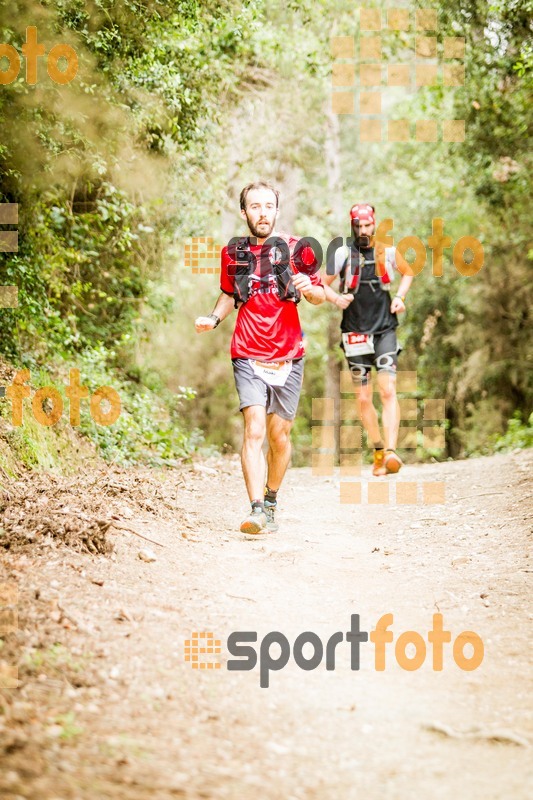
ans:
(245, 266)
(384, 268)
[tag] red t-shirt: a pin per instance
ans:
(267, 328)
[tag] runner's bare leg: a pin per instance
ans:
(391, 408)
(367, 412)
(252, 458)
(279, 449)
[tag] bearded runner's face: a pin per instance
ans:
(363, 233)
(260, 212)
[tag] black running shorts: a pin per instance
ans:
(384, 358)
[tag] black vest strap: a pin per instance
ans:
(245, 265)
(354, 262)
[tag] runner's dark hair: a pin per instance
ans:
(257, 185)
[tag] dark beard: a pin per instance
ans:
(362, 240)
(254, 231)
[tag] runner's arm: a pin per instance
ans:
(339, 300)
(398, 304)
(313, 293)
(404, 268)
(223, 307)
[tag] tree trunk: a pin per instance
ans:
(333, 172)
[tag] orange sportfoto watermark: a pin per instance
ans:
(32, 50)
(422, 424)
(410, 649)
(426, 62)
(202, 253)
(202, 643)
(9, 243)
(9, 215)
(75, 392)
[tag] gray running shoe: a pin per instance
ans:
(270, 510)
(255, 522)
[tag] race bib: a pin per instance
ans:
(275, 373)
(358, 344)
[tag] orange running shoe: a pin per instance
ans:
(255, 522)
(393, 462)
(379, 463)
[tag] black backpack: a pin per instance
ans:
(274, 259)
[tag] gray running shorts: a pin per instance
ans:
(253, 391)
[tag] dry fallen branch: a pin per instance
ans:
(490, 735)
(114, 522)
(478, 494)
(239, 597)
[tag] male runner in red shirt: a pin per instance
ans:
(266, 348)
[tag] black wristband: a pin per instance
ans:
(216, 318)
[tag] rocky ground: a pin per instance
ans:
(111, 572)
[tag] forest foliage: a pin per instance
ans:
(175, 106)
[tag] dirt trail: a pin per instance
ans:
(108, 707)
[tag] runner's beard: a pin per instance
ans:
(262, 231)
(363, 239)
